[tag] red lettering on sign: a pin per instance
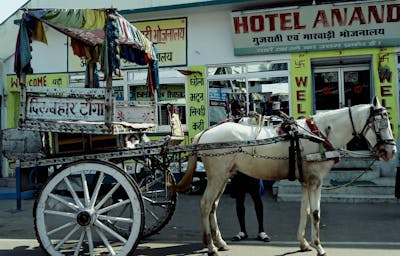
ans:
(300, 109)
(38, 81)
(286, 21)
(301, 95)
(297, 25)
(357, 16)
(14, 82)
(271, 21)
(241, 23)
(372, 10)
(257, 23)
(386, 91)
(301, 81)
(393, 13)
(321, 18)
(337, 15)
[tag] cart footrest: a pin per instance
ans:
(168, 202)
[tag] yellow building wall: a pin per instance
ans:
(384, 83)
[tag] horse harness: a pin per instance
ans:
(378, 118)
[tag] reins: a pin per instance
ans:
(352, 180)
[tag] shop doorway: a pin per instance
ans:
(337, 87)
(342, 86)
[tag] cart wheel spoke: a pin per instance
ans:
(78, 209)
(60, 213)
(96, 190)
(73, 193)
(113, 206)
(85, 189)
(152, 214)
(90, 240)
(60, 243)
(159, 201)
(105, 241)
(64, 202)
(115, 219)
(101, 226)
(80, 242)
(107, 196)
(67, 225)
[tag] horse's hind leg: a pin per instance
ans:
(208, 205)
(304, 213)
(315, 199)
(215, 232)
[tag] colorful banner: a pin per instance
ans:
(169, 36)
(196, 100)
(316, 27)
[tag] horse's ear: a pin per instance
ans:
(376, 103)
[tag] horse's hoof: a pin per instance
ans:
(223, 248)
(324, 254)
(305, 248)
(212, 254)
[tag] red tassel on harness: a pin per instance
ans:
(327, 144)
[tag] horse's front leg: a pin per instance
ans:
(315, 199)
(304, 213)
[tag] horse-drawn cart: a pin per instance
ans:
(107, 186)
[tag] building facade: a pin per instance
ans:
(309, 56)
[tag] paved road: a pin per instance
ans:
(346, 229)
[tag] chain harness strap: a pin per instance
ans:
(240, 151)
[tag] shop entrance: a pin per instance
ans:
(341, 86)
(337, 87)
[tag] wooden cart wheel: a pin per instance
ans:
(159, 201)
(76, 211)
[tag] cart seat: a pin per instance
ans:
(22, 144)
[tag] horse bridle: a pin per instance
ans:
(378, 120)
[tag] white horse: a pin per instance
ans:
(338, 127)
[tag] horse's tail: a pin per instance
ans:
(186, 180)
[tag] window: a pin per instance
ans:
(118, 93)
(251, 86)
(171, 100)
(164, 111)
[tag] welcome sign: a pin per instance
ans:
(316, 28)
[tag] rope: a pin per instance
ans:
(351, 181)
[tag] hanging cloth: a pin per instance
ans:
(38, 32)
(23, 56)
(153, 80)
(72, 18)
(94, 19)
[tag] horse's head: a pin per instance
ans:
(378, 132)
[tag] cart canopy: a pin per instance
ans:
(98, 35)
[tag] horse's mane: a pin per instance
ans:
(359, 115)
(335, 112)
